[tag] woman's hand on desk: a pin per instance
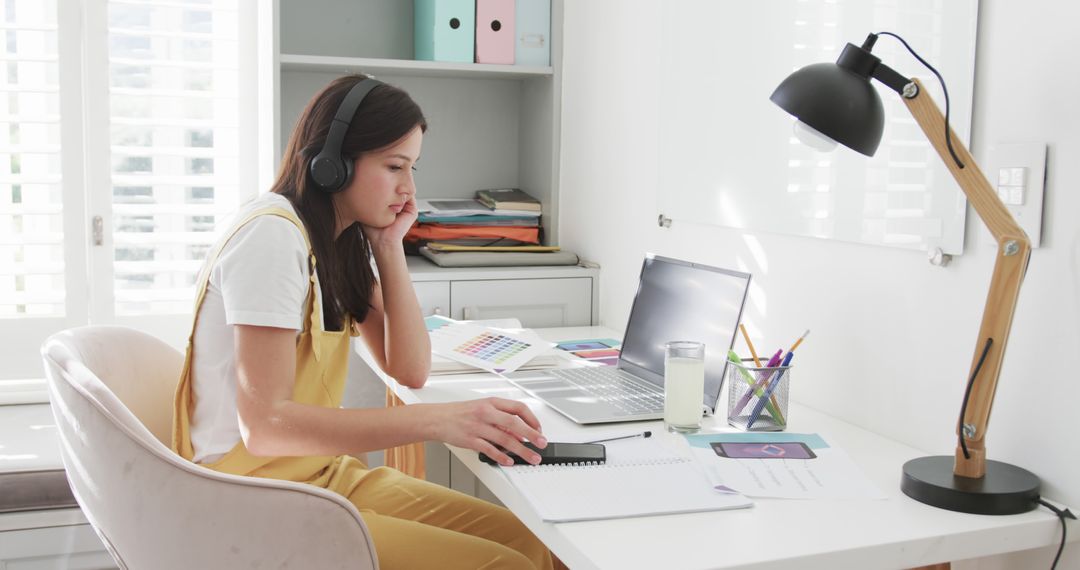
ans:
(487, 425)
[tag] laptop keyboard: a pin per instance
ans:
(615, 387)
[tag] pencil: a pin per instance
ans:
(750, 345)
(798, 342)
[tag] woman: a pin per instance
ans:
(280, 296)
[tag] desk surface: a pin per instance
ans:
(896, 532)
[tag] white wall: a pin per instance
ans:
(892, 336)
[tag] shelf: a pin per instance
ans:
(421, 269)
(293, 62)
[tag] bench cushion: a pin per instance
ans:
(33, 490)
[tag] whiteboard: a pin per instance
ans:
(727, 154)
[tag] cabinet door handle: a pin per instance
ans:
(466, 313)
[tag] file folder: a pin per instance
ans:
(495, 31)
(443, 30)
(532, 23)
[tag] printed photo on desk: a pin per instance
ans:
(781, 465)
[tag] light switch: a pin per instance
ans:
(1021, 172)
(1016, 196)
(1016, 176)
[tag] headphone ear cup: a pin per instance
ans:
(329, 174)
(347, 166)
(329, 170)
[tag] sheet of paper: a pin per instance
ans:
(641, 477)
(782, 465)
(487, 348)
(441, 365)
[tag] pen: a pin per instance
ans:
(775, 409)
(642, 434)
(755, 389)
(768, 391)
(798, 342)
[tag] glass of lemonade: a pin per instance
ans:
(684, 385)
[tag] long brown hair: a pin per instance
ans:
(385, 116)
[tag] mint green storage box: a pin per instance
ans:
(444, 30)
(532, 46)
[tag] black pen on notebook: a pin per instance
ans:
(642, 434)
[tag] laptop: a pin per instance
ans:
(676, 300)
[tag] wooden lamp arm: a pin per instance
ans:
(1013, 251)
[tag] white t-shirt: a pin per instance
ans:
(260, 278)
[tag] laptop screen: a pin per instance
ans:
(678, 300)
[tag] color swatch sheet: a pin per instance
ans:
(597, 350)
(488, 348)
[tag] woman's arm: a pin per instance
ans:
(271, 424)
(394, 327)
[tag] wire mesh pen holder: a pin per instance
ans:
(758, 394)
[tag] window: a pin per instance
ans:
(129, 110)
(31, 249)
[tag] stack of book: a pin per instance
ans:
(486, 221)
(498, 227)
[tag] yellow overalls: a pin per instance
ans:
(413, 523)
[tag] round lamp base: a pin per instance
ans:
(1004, 490)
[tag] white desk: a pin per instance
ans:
(894, 533)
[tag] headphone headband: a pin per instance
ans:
(329, 170)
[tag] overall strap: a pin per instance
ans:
(204, 274)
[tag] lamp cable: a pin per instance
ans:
(948, 136)
(967, 395)
(1062, 514)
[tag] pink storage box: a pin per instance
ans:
(495, 31)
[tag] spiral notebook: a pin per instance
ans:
(633, 486)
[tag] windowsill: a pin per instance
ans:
(30, 441)
(29, 391)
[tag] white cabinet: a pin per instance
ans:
(537, 303)
(561, 296)
(434, 297)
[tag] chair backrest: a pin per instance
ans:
(111, 391)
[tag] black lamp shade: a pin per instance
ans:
(836, 102)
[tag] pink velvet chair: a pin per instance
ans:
(112, 391)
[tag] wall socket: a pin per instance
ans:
(1018, 172)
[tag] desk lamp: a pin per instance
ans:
(837, 102)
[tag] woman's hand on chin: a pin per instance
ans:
(393, 234)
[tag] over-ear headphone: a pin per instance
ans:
(329, 171)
